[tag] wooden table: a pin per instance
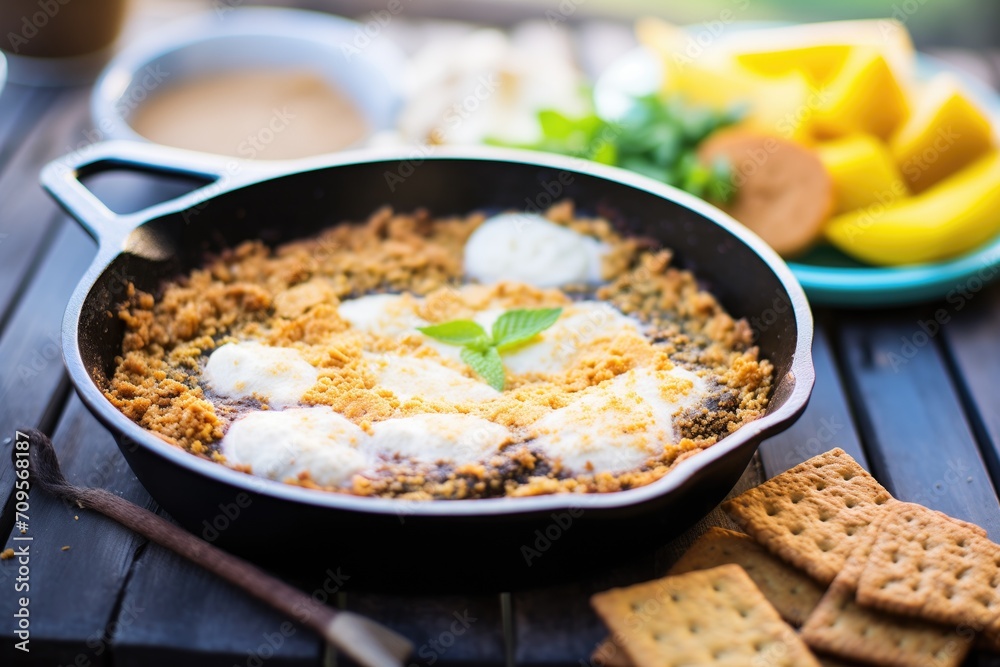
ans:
(921, 410)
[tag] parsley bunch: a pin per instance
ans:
(657, 137)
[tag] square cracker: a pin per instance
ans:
(841, 627)
(710, 617)
(810, 515)
(603, 656)
(790, 591)
(928, 565)
(607, 654)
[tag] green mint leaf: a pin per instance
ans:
(518, 326)
(487, 364)
(480, 351)
(458, 332)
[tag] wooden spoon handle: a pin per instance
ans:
(369, 643)
(252, 579)
(364, 640)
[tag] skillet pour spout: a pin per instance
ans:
(469, 545)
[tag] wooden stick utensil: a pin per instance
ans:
(362, 639)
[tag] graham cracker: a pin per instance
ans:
(710, 617)
(810, 515)
(926, 565)
(791, 592)
(841, 627)
(607, 654)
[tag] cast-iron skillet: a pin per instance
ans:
(383, 543)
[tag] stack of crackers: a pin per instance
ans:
(868, 579)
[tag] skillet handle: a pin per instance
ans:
(61, 178)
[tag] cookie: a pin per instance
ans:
(786, 197)
(788, 590)
(811, 515)
(709, 617)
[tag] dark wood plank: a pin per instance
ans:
(556, 626)
(32, 378)
(29, 218)
(446, 630)
(918, 440)
(826, 423)
(972, 347)
(74, 594)
(173, 613)
(42, 256)
(20, 107)
(32, 397)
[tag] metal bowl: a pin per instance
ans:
(367, 69)
(381, 542)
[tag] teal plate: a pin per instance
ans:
(829, 277)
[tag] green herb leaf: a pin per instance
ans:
(458, 332)
(721, 187)
(480, 351)
(519, 326)
(657, 137)
(487, 364)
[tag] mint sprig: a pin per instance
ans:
(481, 350)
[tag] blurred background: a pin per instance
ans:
(430, 72)
(934, 23)
(967, 23)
